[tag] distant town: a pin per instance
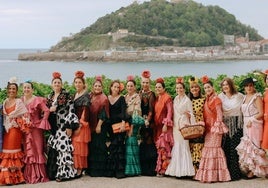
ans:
(234, 49)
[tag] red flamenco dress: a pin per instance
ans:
(163, 140)
(12, 155)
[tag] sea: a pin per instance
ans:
(41, 71)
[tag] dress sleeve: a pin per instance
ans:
(44, 122)
(123, 114)
(151, 106)
(85, 116)
(168, 120)
(219, 127)
(71, 120)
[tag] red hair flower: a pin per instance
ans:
(266, 71)
(130, 78)
(146, 74)
(56, 75)
(121, 87)
(79, 74)
(205, 79)
(160, 80)
(98, 78)
(179, 80)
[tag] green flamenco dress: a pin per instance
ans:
(133, 167)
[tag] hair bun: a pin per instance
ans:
(130, 78)
(56, 75)
(79, 74)
(98, 78)
(179, 80)
(160, 80)
(146, 74)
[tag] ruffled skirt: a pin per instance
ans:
(11, 168)
(164, 145)
(252, 158)
(133, 166)
(213, 166)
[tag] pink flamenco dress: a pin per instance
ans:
(16, 123)
(251, 156)
(35, 160)
(213, 166)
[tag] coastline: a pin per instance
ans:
(131, 56)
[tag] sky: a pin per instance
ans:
(42, 24)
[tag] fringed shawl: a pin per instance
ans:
(10, 119)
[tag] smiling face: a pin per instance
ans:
(249, 88)
(195, 89)
(225, 87)
(131, 88)
(145, 84)
(115, 88)
(27, 89)
(97, 87)
(208, 89)
(159, 89)
(12, 91)
(79, 85)
(56, 85)
(180, 89)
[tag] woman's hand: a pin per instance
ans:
(122, 128)
(187, 114)
(249, 124)
(164, 128)
(69, 132)
(265, 116)
(53, 108)
(98, 129)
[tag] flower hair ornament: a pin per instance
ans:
(159, 80)
(98, 78)
(13, 80)
(79, 74)
(130, 78)
(266, 72)
(193, 80)
(56, 75)
(204, 79)
(179, 80)
(146, 74)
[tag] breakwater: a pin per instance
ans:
(132, 56)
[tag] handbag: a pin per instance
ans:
(137, 119)
(193, 131)
(116, 127)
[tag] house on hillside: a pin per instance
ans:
(264, 46)
(120, 33)
(229, 39)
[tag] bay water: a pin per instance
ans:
(41, 71)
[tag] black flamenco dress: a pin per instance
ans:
(116, 160)
(148, 152)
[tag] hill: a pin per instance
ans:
(158, 23)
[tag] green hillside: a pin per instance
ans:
(159, 22)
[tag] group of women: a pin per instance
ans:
(64, 136)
